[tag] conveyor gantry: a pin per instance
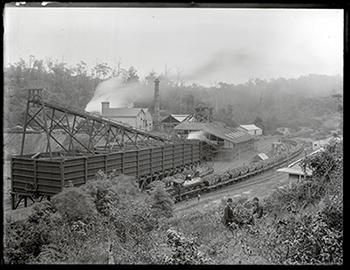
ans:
(83, 130)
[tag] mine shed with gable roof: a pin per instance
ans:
(173, 120)
(139, 118)
(251, 129)
(229, 142)
(295, 169)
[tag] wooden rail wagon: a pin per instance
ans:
(45, 176)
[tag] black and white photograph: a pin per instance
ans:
(159, 134)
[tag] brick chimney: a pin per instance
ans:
(156, 115)
(105, 108)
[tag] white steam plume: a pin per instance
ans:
(118, 94)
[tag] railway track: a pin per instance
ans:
(259, 176)
(258, 186)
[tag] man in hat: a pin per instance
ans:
(228, 212)
(258, 210)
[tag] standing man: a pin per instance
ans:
(258, 210)
(228, 212)
(199, 197)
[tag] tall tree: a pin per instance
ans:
(149, 79)
(102, 71)
(130, 76)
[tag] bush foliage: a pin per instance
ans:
(108, 219)
(162, 203)
(303, 223)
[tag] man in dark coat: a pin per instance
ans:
(258, 210)
(228, 212)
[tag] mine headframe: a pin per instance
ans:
(72, 131)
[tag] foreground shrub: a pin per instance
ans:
(184, 249)
(25, 239)
(310, 240)
(332, 213)
(103, 191)
(162, 203)
(73, 204)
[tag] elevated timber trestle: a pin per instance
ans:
(79, 145)
(82, 131)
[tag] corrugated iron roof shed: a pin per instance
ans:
(180, 117)
(217, 129)
(186, 125)
(227, 133)
(295, 168)
(176, 118)
(250, 127)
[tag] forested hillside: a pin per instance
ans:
(278, 102)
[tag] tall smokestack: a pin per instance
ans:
(105, 108)
(156, 116)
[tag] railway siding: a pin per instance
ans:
(226, 178)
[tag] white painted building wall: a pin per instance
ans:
(139, 118)
(252, 130)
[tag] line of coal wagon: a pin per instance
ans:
(181, 189)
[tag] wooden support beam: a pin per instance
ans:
(114, 140)
(102, 136)
(107, 137)
(70, 134)
(90, 134)
(25, 127)
(46, 131)
(59, 122)
(52, 116)
(72, 131)
(38, 123)
(34, 115)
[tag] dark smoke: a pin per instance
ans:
(240, 62)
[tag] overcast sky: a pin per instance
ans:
(207, 45)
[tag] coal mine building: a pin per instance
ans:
(251, 129)
(296, 171)
(139, 118)
(173, 120)
(228, 142)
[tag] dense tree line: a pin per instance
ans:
(72, 86)
(273, 103)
